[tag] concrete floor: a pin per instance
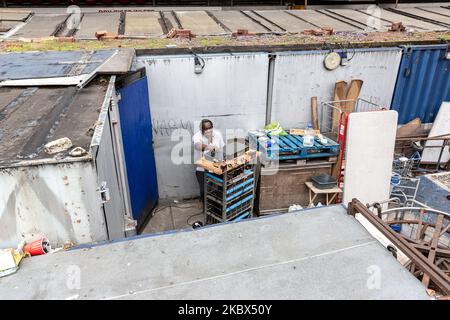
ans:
(175, 216)
(320, 253)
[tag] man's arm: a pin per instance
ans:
(200, 146)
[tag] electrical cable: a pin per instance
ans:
(194, 215)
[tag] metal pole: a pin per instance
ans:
(270, 81)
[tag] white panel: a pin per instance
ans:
(369, 155)
(57, 201)
(299, 76)
(231, 91)
(441, 126)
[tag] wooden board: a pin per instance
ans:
(352, 94)
(340, 89)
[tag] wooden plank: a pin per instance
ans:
(314, 113)
(340, 89)
(352, 94)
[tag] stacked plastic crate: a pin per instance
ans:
(230, 196)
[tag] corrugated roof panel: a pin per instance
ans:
(423, 82)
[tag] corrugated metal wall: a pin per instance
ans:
(231, 91)
(301, 75)
(423, 82)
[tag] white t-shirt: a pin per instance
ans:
(217, 142)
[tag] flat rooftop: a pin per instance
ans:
(320, 253)
(147, 27)
(30, 117)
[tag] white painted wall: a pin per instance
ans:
(231, 92)
(58, 201)
(301, 75)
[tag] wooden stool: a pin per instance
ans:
(312, 189)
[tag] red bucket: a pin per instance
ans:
(37, 247)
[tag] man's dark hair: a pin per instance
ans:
(205, 121)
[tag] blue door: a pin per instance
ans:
(136, 126)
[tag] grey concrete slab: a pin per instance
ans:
(5, 26)
(170, 20)
(93, 22)
(437, 10)
(320, 253)
(286, 21)
(321, 20)
(268, 25)
(199, 23)
(40, 26)
(160, 222)
(14, 14)
(175, 216)
(409, 22)
(143, 24)
(425, 14)
(235, 20)
(361, 18)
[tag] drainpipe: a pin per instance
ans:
(270, 87)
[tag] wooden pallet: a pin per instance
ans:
(291, 147)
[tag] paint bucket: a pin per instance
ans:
(37, 247)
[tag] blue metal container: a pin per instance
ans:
(423, 82)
